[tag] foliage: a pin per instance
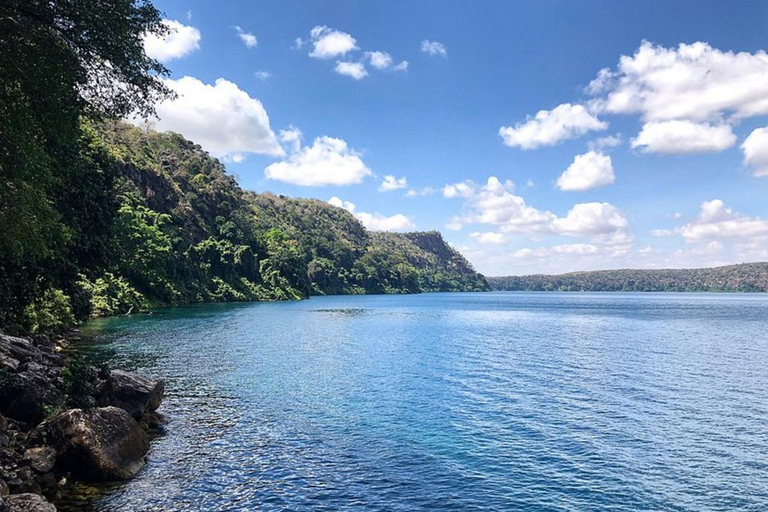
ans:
(111, 295)
(50, 313)
(747, 277)
(78, 378)
(62, 65)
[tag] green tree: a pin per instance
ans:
(62, 62)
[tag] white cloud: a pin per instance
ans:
(434, 48)
(291, 136)
(328, 43)
(550, 127)
(247, 38)
(575, 249)
(298, 43)
(416, 192)
(488, 238)
(693, 81)
(609, 141)
(681, 137)
(755, 149)
(391, 183)
(328, 161)
(354, 69)
(262, 74)
(181, 40)
(464, 189)
(379, 60)
(222, 118)
(375, 221)
(496, 204)
(590, 170)
(716, 221)
(402, 66)
(591, 219)
(661, 233)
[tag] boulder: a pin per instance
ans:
(41, 459)
(28, 503)
(99, 444)
(132, 393)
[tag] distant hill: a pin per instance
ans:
(746, 277)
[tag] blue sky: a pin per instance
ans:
(654, 162)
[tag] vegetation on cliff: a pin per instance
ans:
(747, 277)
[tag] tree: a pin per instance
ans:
(62, 62)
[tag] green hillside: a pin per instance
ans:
(747, 277)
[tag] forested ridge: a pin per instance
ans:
(172, 227)
(746, 277)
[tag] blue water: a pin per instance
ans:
(501, 401)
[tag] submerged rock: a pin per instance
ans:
(135, 394)
(99, 444)
(28, 503)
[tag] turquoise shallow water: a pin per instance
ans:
(500, 401)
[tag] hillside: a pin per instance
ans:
(747, 277)
(171, 227)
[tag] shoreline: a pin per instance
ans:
(65, 424)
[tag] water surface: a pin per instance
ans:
(500, 401)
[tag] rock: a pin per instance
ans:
(99, 444)
(152, 420)
(25, 482)
(3, 423)
(4, 490)
(28, 503)
(40, 459)
(132, 393)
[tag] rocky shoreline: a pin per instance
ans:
(62, 421)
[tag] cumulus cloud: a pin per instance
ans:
(464, 189)
(693, 81)
(391, 183)
(755, 149)
(603, 143)
(181, 40)
(488, 238)
(375, 221)
(591, 219)
(496, 204)
(549, 127)
(328, 161)
(247, 38)
(681, 137)
(434, 48)
(379, 60)
(383, 60)
(329, 43)
(590, 170)
(355, 70)
(222, 118)
(716, 221)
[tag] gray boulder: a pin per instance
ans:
(28, 503)
(99, 444)
(135, 394)
(41, 459)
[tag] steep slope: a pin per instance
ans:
(186, 232)
(747, 277)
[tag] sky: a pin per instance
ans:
(546, 136)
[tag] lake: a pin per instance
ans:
(487, 401)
